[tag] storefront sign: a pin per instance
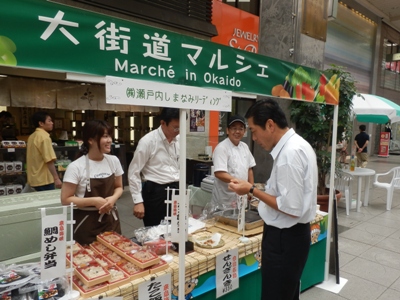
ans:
(384, 144)
(241, 32)
(53, 252)
(157, 288)
(43, 35)
(227, 272)
(141, 92)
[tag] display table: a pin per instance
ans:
(200, 265)
(20, 223)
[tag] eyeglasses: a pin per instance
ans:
(175, 129)
(238, 129)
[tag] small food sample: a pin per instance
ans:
(87, 291)
(92, 274)
(210, 242)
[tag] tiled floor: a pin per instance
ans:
(369, 243)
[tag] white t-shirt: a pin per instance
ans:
(293, 180)
(236, 161)
(76, 171)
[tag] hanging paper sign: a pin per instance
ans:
(53, 254)
(241, 205)
(157, 288)
(227, 272)
(174, 217)
(143, 92)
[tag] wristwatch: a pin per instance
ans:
(251, 190)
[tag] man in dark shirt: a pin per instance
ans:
(361, 142)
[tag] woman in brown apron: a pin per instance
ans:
(93, 183)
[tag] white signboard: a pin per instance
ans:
(227, 272)
(175, 219)
(157, 288)
(149, 93)
(53, 254)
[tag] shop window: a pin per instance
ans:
(250, 6)
(390, 78)
(191, 15)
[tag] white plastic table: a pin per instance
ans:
(360, 173)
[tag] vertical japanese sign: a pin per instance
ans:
(384, 144)
(197, 120)
(227, 272)
(157, 288)
(175, 218)
(53, 253)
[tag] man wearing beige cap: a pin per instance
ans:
(232, 159)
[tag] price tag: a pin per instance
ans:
(10, 149)
(116, 146)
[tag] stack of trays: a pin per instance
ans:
(111, 261)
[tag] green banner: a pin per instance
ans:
(43, 35)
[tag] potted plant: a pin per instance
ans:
(314, 120)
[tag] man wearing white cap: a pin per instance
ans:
(232, 159)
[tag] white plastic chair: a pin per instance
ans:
(343, 182)
(394, 184)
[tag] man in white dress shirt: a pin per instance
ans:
(231, 159)
(288, 204)
(156, 161)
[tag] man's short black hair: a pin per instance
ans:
(39, 116)
(263, 110)
(168, 114)
(362, 127)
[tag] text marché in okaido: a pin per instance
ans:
(45, 35)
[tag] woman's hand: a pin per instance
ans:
(107, 206)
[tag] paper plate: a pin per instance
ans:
(203, 242)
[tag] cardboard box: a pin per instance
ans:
(18, 188)
(2, 168)
(3, 191)
(18, 167)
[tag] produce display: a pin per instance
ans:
(301, 85)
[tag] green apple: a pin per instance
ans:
(7, 44)
(7, 58)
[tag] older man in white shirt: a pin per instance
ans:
(156, 161)
(288, 204)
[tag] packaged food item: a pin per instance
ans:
(18, 167)
(10, 189)
(21, 144)
(14, 144)
(81, 258)
(3, 191)
(18, 188)
(5, 144)
(132, 270)
(143, 258)
(2, 168)
(118, 277)
(109, 237)
(87, 291)
(158, 246)
(162, 265)
(92, 274)
(9, 165)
